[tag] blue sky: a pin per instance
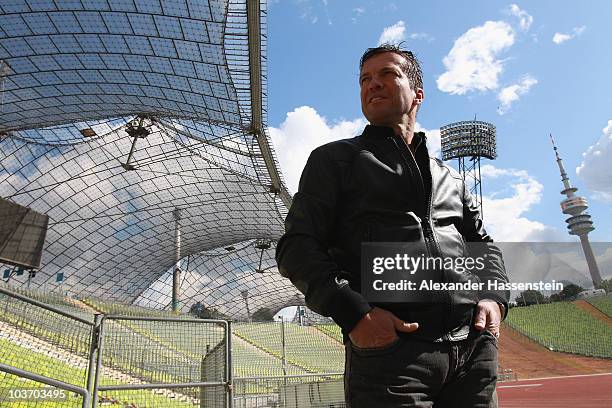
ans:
(531, 68)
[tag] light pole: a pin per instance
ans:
(4, 71)
(176, 273)
(284, 353)
(245, 296)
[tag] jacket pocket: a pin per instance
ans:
(404, 227)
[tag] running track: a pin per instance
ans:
(576, 391)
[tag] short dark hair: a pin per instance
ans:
(411, 67)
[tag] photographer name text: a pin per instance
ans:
(491, 285)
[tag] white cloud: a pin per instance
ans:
(510, 94)
(560, 38)
(505, 217)
(396, 33)
(393, 34)
(473, 63)
(433, 139)
(302, 131)
(595, 167)
(357, 13)
(421, 36)
(308, 12)
(525, 20)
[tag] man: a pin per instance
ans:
(382, 186)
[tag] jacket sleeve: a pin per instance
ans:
(302, 252)
(481, 244)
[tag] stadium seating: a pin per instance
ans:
(116, 308)
(305, 346)
(45, 363)
(332, 330)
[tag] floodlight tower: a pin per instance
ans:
(467, 142)
(579, 222)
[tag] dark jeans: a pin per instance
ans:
(412, 373)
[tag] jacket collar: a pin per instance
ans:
(376, 132)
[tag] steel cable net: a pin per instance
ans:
(125, 120)
(240, 282)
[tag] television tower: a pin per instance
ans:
(579, 222)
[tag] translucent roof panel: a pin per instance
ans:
(112, 230)
(237, 281)
(129, 120)
(73, 61)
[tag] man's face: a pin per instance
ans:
(386, 96)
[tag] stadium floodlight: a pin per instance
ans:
(472, 138)
(136, 130)
(469, 140)
(262, 245)
(88, 132)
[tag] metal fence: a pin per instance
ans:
(163, 362)
(46, 353)
(291, 391)
(62, 356)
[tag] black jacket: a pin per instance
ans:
(372, 188)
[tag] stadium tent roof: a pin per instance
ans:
(75, 77)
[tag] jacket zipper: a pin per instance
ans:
(425, 223)
(428, 234)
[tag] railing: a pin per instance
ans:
(44, 345)
(185, 360)
(291, 391)
(148, 361)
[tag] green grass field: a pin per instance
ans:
(603, 303)
(563, 327)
